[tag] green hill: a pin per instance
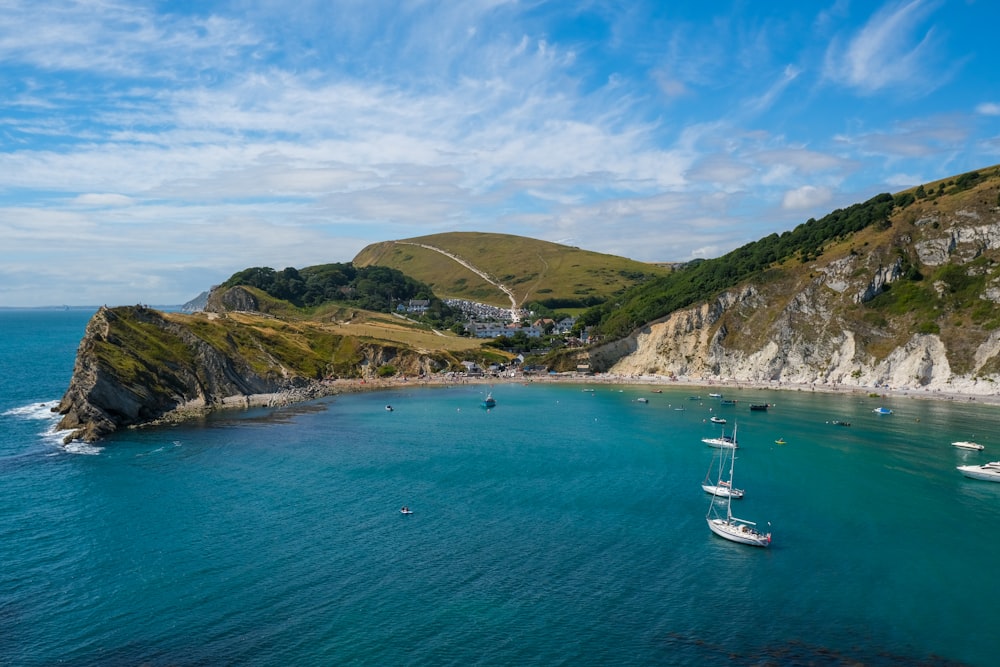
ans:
(473, 266)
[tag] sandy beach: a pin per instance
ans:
(354, 385)
(325, 388)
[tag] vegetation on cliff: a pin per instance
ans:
(135, 364)
(702, 279)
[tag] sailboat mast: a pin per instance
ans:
(732, 485)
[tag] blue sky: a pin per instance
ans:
(148, 150)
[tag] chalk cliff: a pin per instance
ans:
(910, 306)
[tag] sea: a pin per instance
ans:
(565, 526)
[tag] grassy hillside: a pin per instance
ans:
(558, 276)
(885, 227)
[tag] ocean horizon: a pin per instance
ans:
(564, 526)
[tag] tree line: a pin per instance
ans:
(701, 280)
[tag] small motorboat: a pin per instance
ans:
(388, 408)
(780, 441)
(405, 510)
(717, 420)
(882, 411)
(759, 407)
(642, 399)
(964, 444)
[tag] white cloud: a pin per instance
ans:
(805, 197)
(107, 199)
(890, 50)
(295, 134)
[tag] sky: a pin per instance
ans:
(151, 149)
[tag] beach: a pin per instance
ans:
(326, 388)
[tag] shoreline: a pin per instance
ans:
(323, 389)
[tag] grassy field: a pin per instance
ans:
(533, 270)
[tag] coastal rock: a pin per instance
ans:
(234, 299)
(136, 365)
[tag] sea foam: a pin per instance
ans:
(42, 411)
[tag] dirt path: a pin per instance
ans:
(482, 274)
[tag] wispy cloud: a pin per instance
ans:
(291, 134)
(892, 50)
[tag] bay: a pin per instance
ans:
(564, 526)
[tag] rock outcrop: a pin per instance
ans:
(136, 365)
(863, 314)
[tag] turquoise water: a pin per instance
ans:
(562, 527)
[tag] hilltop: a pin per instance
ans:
(509, 271)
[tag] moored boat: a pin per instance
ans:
(964, 444)
(882, 411)
(759, 406)
(989, 472)
(721, 487)
(732, 528)
(722, 441)
(717, 420)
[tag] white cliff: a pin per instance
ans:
(820, 330)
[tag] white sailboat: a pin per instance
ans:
(723, 441)
(720, 487)
(730, 527)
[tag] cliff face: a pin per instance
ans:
(134, 365)
(911, 306)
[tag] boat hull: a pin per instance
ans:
(977, 472)
(719, 443)
(968, 445)
(737, 532)
(722, 491)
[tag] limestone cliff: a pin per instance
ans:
(134, 364)
(912, 305)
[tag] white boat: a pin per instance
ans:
(642, 399)
(964, 444)
(717, 420)
(990, 471)
(723, 441)
(882, 411)
(715, 395)
(405, 510)
(730, 527)
(721, 487)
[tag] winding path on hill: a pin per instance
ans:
(482, 274)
